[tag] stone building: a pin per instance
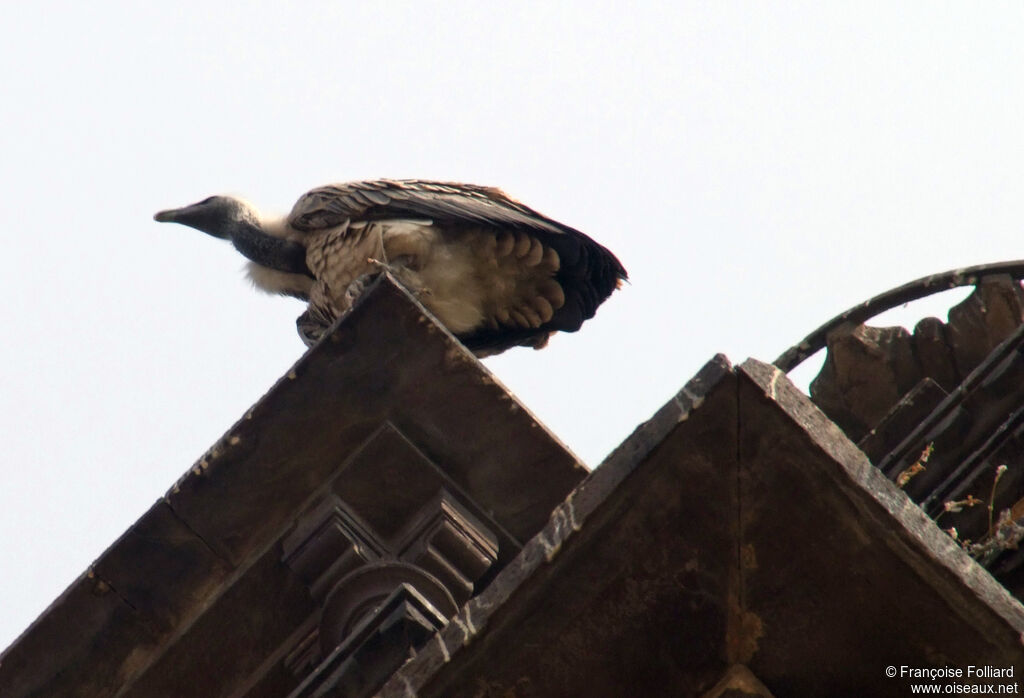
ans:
(389, 520)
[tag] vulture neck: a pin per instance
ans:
(256, 243)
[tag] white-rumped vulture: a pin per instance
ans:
(494, 272)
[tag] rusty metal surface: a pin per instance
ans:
(869, 369)
(939, 412)
(914, 290)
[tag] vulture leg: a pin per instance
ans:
(310, 329)
(356, 288)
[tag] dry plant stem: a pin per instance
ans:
(904, 477)
(992, 496)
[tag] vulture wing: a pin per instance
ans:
(588, 273)
(442, 202)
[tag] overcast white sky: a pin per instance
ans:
(758, 167)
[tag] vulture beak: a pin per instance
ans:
(209, 216)
(168, 216)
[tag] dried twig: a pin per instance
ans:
(904, 477)
(992, 498)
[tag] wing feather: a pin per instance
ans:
(443, 202)
(584, 273)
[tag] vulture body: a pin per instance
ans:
(496, 273)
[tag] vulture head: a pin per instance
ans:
(215, 215)
(228, 218)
